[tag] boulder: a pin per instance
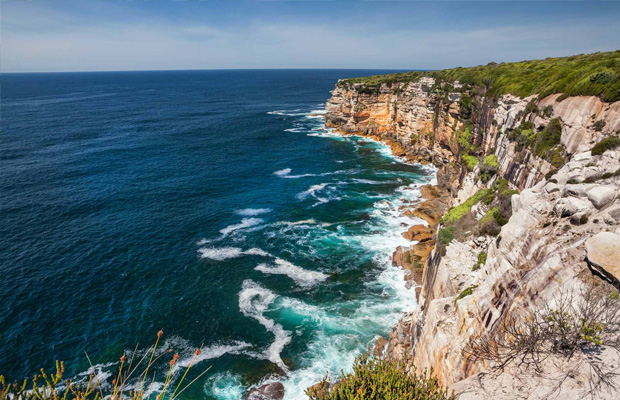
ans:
(416, 232)
(580, 218)
(585, 156)
(603, 256)
(552, 187)
(568, 206)
(574, 191)
(601, 196)
(379, 346)
(268, 391)
(615, 213)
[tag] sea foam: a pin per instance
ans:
(245, 223)
(254, 300)
(302, 277)
(225, 253)
(251, 212)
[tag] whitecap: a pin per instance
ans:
(220, 253)
(302, 277)
(311, 191)
(211, 352)
(282, 172)
(245, 223)
(254, 300)
(225, 253)
(251, 212)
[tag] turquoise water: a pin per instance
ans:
(211, 204)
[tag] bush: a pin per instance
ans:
(446, 235)
(490, 161)
(378, 379)
(577, 321)
(456, 213)
(489, 224)
(465, 293)
(482, 259)
(470, 162)
(466, 106)
(464, 138)
(609, 143)
(547, 111)
(601, 78)
(599, 125)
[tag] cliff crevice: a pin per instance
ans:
(527, 193)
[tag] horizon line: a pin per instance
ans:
(211, 69)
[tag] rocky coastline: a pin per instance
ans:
(559, 215)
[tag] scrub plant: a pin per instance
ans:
(377, 379)
(571, 323)
(132, 381)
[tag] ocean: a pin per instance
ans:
(212, 205)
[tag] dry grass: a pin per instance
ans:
(134, 380)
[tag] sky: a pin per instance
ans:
(93, 35)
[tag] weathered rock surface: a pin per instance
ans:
(603, 256)
(601, 196)
(268, 391)
(539, 252)
(568, 206)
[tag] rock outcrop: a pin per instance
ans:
(567, 209)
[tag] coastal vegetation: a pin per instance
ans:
(609, 143)
(577, 321)
(134, 380)
(466, 292)
(596, 74)
(544, 143)
(482, 259)
(378, 379)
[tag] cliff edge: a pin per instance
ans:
(526, 212)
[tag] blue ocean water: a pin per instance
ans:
(210, 204)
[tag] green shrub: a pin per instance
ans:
(456, 213)
(490, 161)
(599, 125)
(446, 235)
(489, 216)
(548, 138)
(482, 259)
(547, 111)
(465, 293)
(466, 106)
(378, 379)
(609, 143)
(470, 162)
(464, 138)
(601, 78)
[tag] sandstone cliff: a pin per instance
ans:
(563, 201)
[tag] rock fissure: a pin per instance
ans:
(550, 222)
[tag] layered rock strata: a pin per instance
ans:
(564, 222)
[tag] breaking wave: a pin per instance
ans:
(302, 277)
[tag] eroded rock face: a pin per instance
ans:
(603, 256)
(540, 250)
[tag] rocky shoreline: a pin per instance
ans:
(536, 252)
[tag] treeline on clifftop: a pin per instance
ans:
(596, 74)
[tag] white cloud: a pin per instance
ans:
(54, 42)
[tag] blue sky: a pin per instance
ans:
(90, 35)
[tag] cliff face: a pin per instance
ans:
(541, 249)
